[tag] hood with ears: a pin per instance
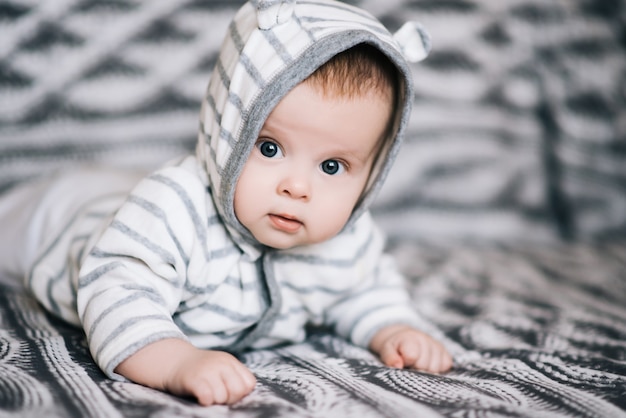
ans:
(270, 47)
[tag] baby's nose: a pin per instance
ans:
(295, 185)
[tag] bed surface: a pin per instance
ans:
(536, 332)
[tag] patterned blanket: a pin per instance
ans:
(536, 332)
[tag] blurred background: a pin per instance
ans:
(518, 130)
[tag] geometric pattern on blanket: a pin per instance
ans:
(536, 332)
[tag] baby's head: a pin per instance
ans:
(303, 117)
(316, 151)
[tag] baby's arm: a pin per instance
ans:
(402, 346)
(176, 366)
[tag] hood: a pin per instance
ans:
(270, 47)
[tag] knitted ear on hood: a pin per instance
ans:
(273, 12)
(414, 41)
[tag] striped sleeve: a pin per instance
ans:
(380, 297)
(132, 281)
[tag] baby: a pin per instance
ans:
(264, 230)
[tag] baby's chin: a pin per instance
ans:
(288, 245)
(281, 246)
(286, 242)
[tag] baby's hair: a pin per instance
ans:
(357, 72)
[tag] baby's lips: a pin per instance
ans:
(285, 223)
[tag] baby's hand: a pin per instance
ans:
(212, 377)
(175, 366)
(402, 346)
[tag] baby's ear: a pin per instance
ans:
(271, 13)
(414, 41)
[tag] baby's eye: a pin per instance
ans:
(332, 167)
(270, 149)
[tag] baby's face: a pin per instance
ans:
(309, 166)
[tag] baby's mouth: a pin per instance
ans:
(286, 223)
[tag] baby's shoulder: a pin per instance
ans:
(186, 173)
(176, 184)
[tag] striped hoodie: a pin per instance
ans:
(167, 258)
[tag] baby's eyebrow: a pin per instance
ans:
(358, 156)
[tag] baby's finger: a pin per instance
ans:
(435, 364)
(203, 392)
(220, 391)
(425, 356)
(410, 353)
(248, 379)
(390, 357)
(239, 383)
(440, 361)
(446, 361)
